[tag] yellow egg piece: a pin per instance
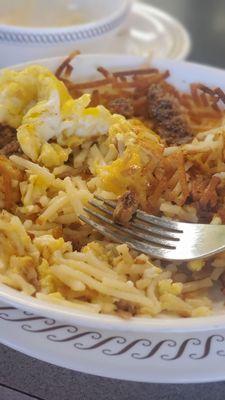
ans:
(53, 155)
(29, 141)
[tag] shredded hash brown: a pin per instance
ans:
(163, 151)
(203, 107)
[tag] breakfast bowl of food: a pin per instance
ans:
(147, 138)
(30, 29)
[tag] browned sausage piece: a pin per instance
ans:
(8, 142)
(122, 106)
(167, 115)
(125, 310)
(10, 148)
(126, 207)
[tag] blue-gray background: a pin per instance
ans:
(21, 377)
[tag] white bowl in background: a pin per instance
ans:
(165, 349)
(106, 17)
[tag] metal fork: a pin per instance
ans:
(154, 236)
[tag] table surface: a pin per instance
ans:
(23, 378)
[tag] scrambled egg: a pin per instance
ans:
(139, 146)
(22, 91)
(167, 286)
(39, 106)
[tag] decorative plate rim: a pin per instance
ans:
(102, 350)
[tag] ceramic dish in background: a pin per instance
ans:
(143, 349)
(104, 19)
(150, 32)
(133, 28)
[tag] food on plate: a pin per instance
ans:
(169, 119)
(129, 136)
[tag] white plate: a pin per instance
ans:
(152, 32)
(150, 357)
(151, 350)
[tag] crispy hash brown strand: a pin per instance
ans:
(9, 174)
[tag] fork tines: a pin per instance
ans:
(145, 233)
